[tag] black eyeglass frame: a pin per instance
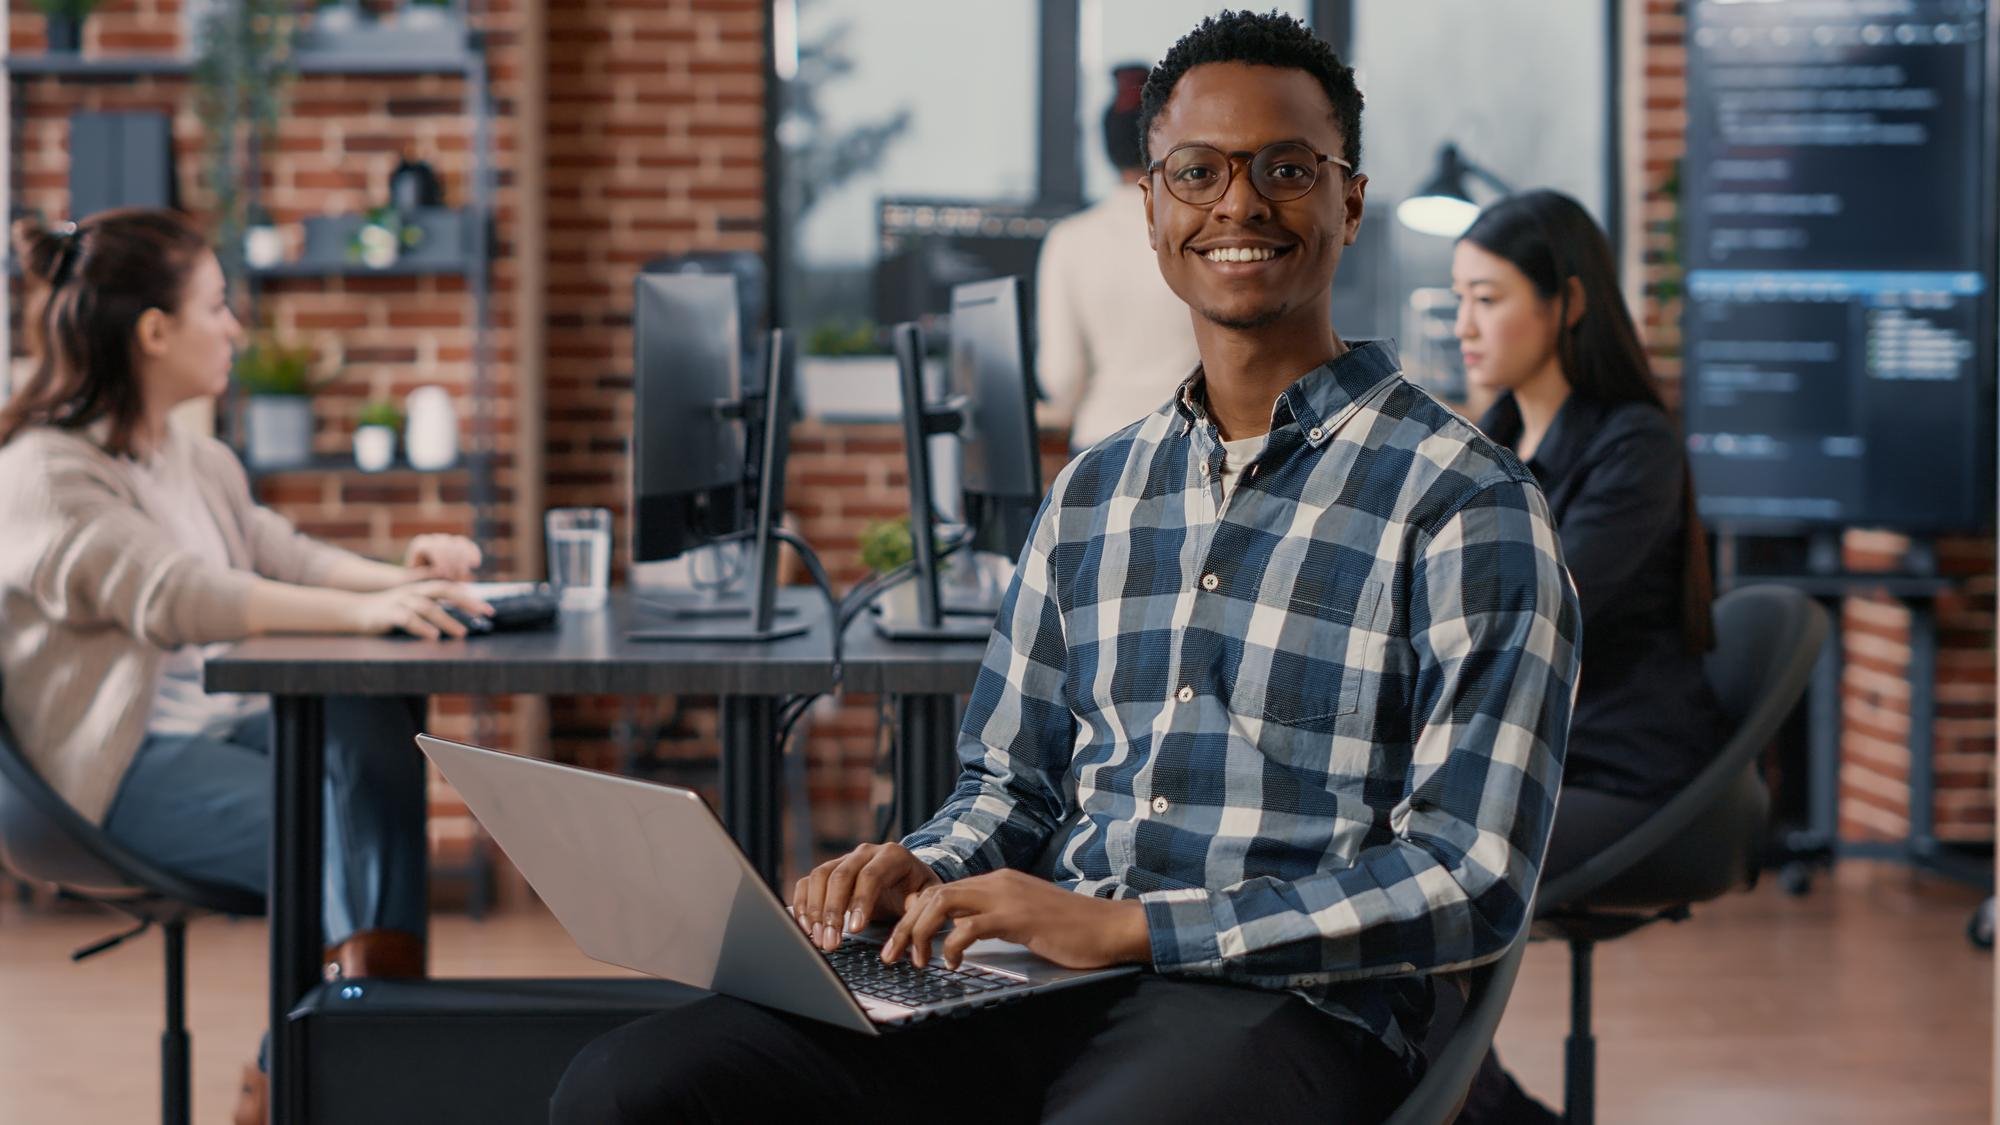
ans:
(1249, 160)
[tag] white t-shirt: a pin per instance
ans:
(1236, 456)
(169, 492)
(1114, 341)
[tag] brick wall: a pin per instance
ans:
(1875, 689)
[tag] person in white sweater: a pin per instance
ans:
(1113, 340)
(133, 551)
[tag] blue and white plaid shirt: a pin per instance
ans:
(1315, 725)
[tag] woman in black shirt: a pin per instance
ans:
(1542, 322)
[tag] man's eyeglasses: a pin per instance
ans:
(1199, 175)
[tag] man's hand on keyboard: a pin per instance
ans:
(1073, 930)
(870, 882)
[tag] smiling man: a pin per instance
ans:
(1279, 695)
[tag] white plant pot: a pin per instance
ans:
(899, 604)
(263, 247)
(430, 429)
(374, 448)
(281, 430)
(425, 16)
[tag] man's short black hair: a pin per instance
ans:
(1261, 39)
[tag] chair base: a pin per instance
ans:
(1580, 1049)
(175, 1102)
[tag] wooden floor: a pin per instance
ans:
(1861, 1003)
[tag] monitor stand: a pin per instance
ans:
(696, 607)
(955, 627)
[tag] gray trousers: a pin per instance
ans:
(201, 806)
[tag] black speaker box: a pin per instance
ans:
(439, 1052)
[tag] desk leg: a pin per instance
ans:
(1923, 715)
(298, 763)
(750, 781)
(926, 757)
(1823, 737)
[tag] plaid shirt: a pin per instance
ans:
(1316, 725)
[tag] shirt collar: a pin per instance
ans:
(1319, 401)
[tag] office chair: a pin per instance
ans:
(1440, 1094)
(1703, 843)
(44, 840)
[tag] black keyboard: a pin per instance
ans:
(859, 964)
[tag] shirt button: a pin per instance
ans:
(1185, 694)
(1210, 581)
(1315, 433)
(1159, 804)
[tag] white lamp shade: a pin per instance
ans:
(1440, 215)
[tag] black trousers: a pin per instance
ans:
(1141, 1048)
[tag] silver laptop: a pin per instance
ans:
(644, 876)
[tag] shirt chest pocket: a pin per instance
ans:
(1304, 667)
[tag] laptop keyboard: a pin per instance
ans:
(859, 964)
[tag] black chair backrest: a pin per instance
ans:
(1704, 842)
(1438, 1095)
(43, 839)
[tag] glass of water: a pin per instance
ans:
(580, 555)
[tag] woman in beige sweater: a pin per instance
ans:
(132, 549)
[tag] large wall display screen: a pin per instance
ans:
(1838, 206)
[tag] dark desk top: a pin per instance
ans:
(1908, 586)
(873, 663)
(587, 654)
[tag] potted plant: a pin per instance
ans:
(375, 435)
(886, 545)
(382, 237)
(65, 23)
(277, 377)
(334, 16)
(425, 13)
(848, 372)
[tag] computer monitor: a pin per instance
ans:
(688, 439)
(992, 370)
(772, 412)
(990, 406)
(928, 246)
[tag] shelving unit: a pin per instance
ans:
(468, 64)
(476, 464)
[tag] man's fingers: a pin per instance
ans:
(809, 907)
(964, 931)
(839, 889)
(934, 907)
(885, 869)
(831, 881)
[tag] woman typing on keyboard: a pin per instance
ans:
(133, 548)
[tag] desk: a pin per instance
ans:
(925, 679)
(588, 654)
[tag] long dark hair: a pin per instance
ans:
(88, 284)
(1552, 240)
